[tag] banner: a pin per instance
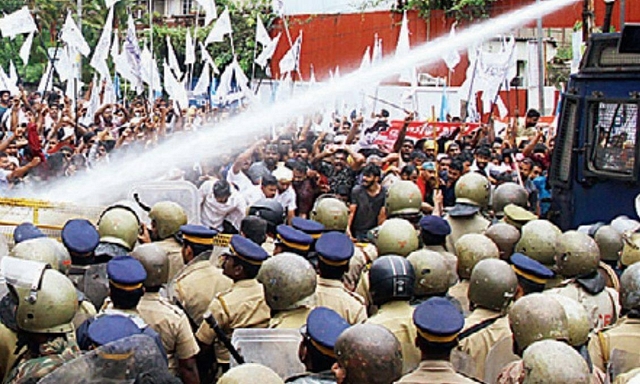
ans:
(418, 130)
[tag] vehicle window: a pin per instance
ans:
(615, 126)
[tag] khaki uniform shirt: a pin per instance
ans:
(172, 325)
(461, 226)
(196, 286)
(624, 336)
(85, 311)
(397, 316)
(478, 344)
(603, 308)
(242, 306)
(290, 319)
(269, 245)
(362, 289)
(332, 294)
(363, 255)
(174, 253)
(627, 376)
(436, 372)
(460, 292)
(8, 340)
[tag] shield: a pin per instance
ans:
(463, 363)
(621, 362)
(118, 362)
(182, 193)
(274, 348)
(498, 357)
(96, 284)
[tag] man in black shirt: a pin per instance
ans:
(367, 204)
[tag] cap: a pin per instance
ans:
(435, 225)
(80, 236)
(246, 250)
(430, 144)
(323, 328)
(126, 273)
(26, 231)
(438, 321)
(463, 210)
(108, 328)
(429, 166)
(384, 113)
(293, 238)
(515, 214)
(334, 248)
(310, 227)
(198, 234)
(530, 269)
(283, 174)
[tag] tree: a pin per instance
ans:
(460, 9)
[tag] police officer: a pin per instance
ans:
(433, 234)
(508, 193)
(334, 251)
(289, 283)
(532, 275)
(517, 216)
(391, 280)
(249, 373)
(610, 244)
(554, 362)
(625, 334)
(165, 318)
(110, 328)
(367, 353)
(26, 231)
(310, 227)
(577, 258)
(243, 305)
(492, 287)
(630, 253)
(44, 320)
(438, 323)
(404, 201)
(166, 219)
(505, 236)
(118, 227)
(81, 238)
(319, 336)
(8, 335)
(470, 248)
(289, 239)
(433, 276)
(126, 278)
(200, 280)
(465, 216)
(538, 241)
(273, 213)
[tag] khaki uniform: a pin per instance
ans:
(514, 373)
(8, 340)
(436, 372)
(290, 319)
(196, 285)
(624, 336)
(362, 289)
(460, 292)
(174, 253)
(269, 245)
(332, 294)
(478, 344)
(242, 306)
(172, 325)
(450, 259)
(627, 376)
(397, 316)
(461, 226)
(363, 255)
(603, 308)
(85, 311)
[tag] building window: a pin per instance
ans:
(187, 5)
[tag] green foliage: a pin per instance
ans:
(459, 9)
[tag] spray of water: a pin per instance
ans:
(110, 182)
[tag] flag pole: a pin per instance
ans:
(151, 71)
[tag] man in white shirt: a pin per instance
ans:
(237, 174)
(286, 195)
(222, 207)
(267, 189)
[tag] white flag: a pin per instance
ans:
(17, 23)
(190, 49)
(13, 74)
(222, 27)
(262, 36)
(72, 35)
(173, 60)
(25, 50)
(6, 83)
(366, 59)
(110, 3)
(278, 7)
(109, 96)
(146, 66)
(174, 88)
(64, 64)
(210, 11)
(291, 60)
(452, 57)
(93, 104)
(202, 86)
(402, 50)
(376, 56)
(123, 67)
(101, 51)
(115, 45)
(207, 59)
(46, 81)
(268, 51)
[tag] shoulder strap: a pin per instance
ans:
(604, 347)
(478, 327)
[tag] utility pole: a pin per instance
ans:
(622, 14)
(540, 64)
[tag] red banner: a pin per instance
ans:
(420, 130)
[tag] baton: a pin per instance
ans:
(390, 104)
(208, 317)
